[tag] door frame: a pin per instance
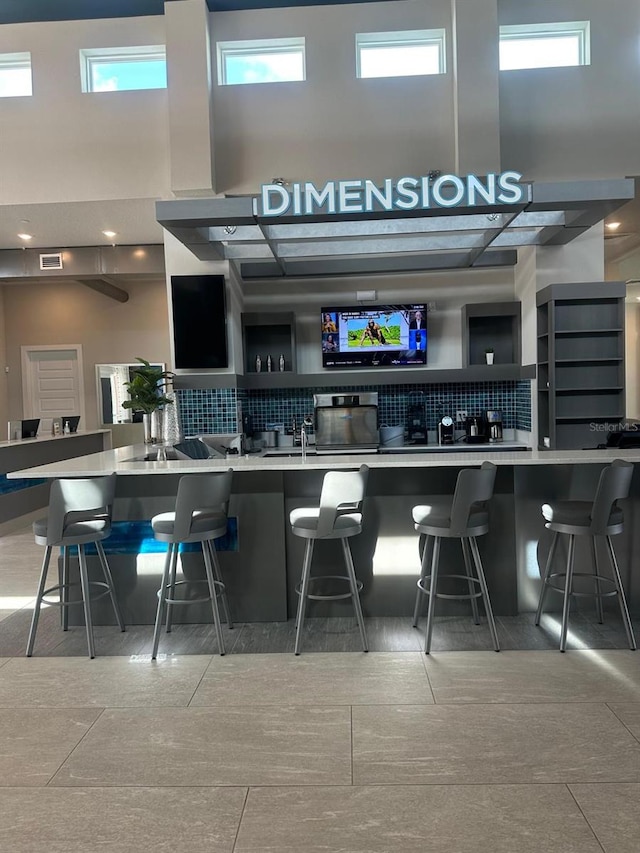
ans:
(26, 374)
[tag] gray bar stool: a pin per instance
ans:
(200, 515)
(464, 518)
(339, 516)
(602, 518)
(79, 513)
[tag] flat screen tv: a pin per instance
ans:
(199, 322)
(375, 336)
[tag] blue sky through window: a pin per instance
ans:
(127, 75)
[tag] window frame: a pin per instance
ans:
(17, 61)
(253, 47)
(403, 38)
(91, 56)
(549, 31)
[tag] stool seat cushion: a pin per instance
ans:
(304, 522)
(76, 533)
(438, 515)
(203, 522)
(576, 513)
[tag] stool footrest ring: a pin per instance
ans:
(219, 587)
(334, 597)
(458, 596)
(58, 587)
(593, 577)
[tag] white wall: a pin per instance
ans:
(63, 145)
(332, 125)
(566, 123)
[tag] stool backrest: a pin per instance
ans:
(200, 492)
(614, 484)
(341, 491)
(74, 500)
(474, 487)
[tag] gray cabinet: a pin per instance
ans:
(580, 363)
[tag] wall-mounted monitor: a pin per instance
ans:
(375, 336)
(199, 322)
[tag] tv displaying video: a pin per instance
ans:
(377, 336)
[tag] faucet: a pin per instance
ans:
(303, 442)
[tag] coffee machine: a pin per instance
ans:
(446, 430)
(416, 419)
(494, 426)
(416, 425)
(476, 430)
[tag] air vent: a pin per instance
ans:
(51, 261)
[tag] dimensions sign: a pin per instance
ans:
(364, 196)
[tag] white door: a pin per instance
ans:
(52, 384)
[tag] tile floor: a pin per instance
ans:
(335, 751)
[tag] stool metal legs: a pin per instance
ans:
(596, 576)
(485, 592)
(172, 553)
(304, 593)
(217, 574)
(166, 593)
(63, 589)
(355, 593)
(208, 563)
(36, 609)
(471, 555)
(624, 610)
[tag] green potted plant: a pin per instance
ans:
(488, 354)
(146, 394)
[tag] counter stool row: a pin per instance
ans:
(80, 512)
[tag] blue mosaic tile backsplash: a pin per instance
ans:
(216, 410)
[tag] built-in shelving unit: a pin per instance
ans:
(494, 325)
(273, 333)
(580, 362)
(269, 334)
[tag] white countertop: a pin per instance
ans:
(122, 461)
(43, 438)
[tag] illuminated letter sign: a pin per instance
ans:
(408, 193)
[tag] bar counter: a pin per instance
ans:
(261, 560)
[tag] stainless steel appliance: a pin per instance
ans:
(476, 430)
(346, 422)
(446, 430)
(494, 426)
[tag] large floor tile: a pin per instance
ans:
(120, 820)
(204, 746)
(535, 676)
(491, 744)
(413, 819)
(315, 679)
(114, 682)
(612, 811)
(34, 743)
(629, 714)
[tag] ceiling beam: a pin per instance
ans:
(104, 286)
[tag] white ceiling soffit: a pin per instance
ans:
(388, 241)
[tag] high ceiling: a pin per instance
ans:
(21, 11)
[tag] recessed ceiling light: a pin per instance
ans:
(25, 236)
(109, 234)
(613, 225)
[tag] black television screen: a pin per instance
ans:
(377, 336)
(199, 322)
